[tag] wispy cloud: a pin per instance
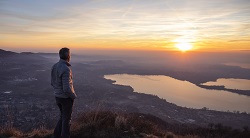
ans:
(117, 20)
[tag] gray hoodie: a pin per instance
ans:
(61, 80)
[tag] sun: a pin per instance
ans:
(184, 46)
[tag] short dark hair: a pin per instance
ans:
(64, 53)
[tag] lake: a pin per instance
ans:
(240, 84)
(183, 93)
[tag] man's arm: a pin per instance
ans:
(52, 76)
(67, 88)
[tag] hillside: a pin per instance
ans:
(100, 124)
(4, 53)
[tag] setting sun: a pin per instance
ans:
(183, 46)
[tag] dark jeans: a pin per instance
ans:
(62, 129)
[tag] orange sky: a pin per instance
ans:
(116, 24)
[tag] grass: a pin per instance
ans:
(10, 132)
(107, 124)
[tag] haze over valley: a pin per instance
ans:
(26, 92)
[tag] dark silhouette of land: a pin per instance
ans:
(26, 95)
(99, 124)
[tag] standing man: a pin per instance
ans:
(61, 80)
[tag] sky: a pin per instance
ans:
(46, 25)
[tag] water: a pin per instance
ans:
(183, 93)
(240, 84)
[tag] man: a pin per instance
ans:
(61, 80)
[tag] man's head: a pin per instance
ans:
(64, 54)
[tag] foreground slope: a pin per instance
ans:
(100, 124)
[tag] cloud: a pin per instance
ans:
(127, 20)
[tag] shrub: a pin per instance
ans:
(9, 132)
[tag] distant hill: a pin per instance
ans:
(23, 57)
(4, 53)
(27, 53)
